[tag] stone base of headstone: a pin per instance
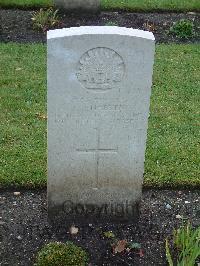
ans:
(70, 213)
(78, 5)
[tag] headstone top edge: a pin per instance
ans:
(95, 30)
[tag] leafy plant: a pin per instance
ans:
(62, 254)
(45, 19)
(186, 241)
(183, 29)
(134, 245)
(111, 23)
(109, 234)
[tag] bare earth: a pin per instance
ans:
(24, 228)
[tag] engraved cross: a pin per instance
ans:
(98, 151)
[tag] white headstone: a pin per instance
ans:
(85, 5)
(99, 87)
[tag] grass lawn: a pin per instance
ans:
(26, 3)
(173, 148)
(147, 5)
(141, 5)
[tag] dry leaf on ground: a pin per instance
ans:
(120, 246)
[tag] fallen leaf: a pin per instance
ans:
(41, 116)
(120, 246)
(73, 230)
(178, 216)
(141, 253)
(109, 234)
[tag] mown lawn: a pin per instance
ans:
(132, 5)
(23, 105)
(26, 3)
(173, 148)
(147, 5)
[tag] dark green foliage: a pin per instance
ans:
(60, 254)
(183, 29)
(186, 241)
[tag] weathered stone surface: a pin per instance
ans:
(99, 87)
(78, 5)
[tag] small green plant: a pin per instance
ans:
(111, 23)
(45, 19)
(109, 234)
(186, 241)
(61, 254)
(183, 29)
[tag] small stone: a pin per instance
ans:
(191, 13)
(16, 193)
(90, 225)
(73, 230)
(14, 203)
(178, 216)
(1, 222)
(187, 202)
(19, 237)
(168, 206)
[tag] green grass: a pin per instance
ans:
(132, 5)
(26, 3)
(173, 147)
(22, 103)
(173, 150)
(147, 5)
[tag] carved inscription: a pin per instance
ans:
(121, 209)
(100, 68)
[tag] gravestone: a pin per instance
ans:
(99, 87)
(78, 5)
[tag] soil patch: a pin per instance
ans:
(24, 228)
(16, 25)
